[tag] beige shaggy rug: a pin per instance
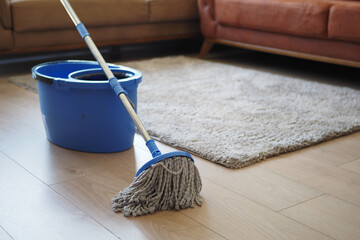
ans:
(236, 116)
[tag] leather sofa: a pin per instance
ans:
(29, 26)
(322, 30)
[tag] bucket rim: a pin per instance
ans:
(49, 79)
(46, 78)
(136, 77)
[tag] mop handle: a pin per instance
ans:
(113, 81)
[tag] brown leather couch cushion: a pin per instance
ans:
(5, 14)
(51, 15)
(344, 21)
(105, 35)
(322, 47)
(6, 39)
(295, 17)
(173, 10)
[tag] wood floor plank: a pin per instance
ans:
(236, 217)
(48, 162)
(353, 166)
(327, 214)
(21, 104)
(93, 195)
(31, 210)
(312, 172)
(262, 186)
(335, 152)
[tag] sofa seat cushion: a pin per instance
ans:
(294, 17)
(344, 21)
(319, 47)
(6, 39)
(5, 14)
(45, 15)
(105, 35)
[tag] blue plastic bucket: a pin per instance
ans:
(85, 115)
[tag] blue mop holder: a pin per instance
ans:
(157, 156)
(161, 158)
(154, 150)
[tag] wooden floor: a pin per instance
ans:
(47, 192)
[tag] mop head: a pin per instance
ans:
(173, 183)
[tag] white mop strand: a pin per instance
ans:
(173, 183)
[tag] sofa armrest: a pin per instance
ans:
(5, 14)
(207, 17)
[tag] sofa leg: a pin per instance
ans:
(206, 47)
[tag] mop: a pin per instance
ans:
(168, 181)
